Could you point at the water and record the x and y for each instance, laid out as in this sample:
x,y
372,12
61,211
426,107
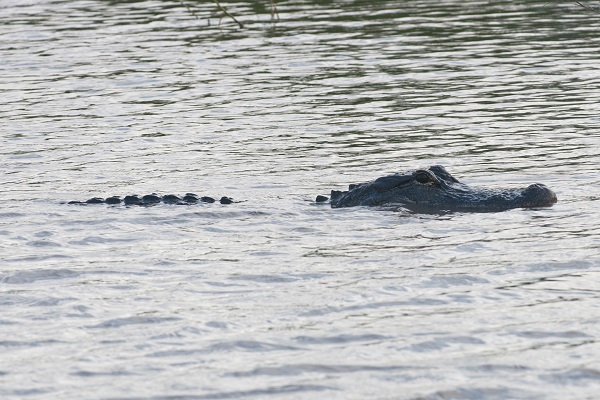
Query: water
x,y
275,297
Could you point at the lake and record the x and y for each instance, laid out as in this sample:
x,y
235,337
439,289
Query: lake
x,y
274,296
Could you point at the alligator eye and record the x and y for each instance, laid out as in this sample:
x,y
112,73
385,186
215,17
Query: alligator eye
x,y
423,177
426,177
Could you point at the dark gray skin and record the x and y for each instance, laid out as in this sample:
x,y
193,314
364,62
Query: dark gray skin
x,y
435,190
152,199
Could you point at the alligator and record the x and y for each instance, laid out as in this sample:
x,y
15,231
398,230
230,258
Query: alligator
x,y
435,190
152,199
424,190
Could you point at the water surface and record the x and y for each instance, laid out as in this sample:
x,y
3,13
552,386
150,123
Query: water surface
x,y
276,297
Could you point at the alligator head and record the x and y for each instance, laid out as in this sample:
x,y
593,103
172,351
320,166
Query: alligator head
x,y
435,190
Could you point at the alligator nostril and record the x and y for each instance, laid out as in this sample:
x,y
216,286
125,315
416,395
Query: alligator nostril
x,y
540,194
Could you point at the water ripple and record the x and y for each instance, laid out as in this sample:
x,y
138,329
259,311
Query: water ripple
x,y
24,277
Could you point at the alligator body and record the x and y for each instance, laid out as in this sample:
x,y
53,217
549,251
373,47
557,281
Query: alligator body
x,y
435,190
424,190
152,199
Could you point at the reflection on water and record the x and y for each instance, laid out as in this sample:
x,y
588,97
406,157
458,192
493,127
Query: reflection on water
x,y
275,297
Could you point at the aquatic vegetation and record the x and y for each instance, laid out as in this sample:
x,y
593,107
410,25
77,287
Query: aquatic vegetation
x,y
225,12
275,13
